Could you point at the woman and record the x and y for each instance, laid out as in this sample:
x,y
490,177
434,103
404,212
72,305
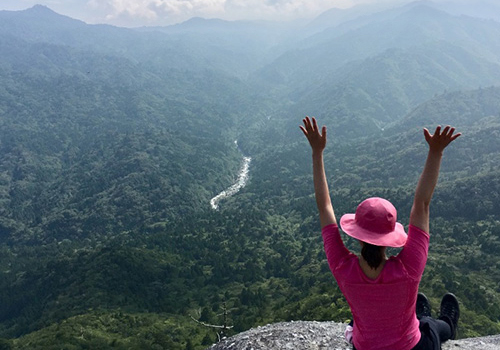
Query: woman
x,y
382,292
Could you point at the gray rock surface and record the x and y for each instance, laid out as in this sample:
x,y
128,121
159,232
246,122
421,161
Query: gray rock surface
x,y
310,335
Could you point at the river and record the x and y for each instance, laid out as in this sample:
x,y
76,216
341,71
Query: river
x,y
234,188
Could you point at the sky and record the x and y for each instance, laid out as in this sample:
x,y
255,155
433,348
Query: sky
x,y
133,13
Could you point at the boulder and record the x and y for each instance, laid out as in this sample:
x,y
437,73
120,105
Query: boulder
x,y
311,335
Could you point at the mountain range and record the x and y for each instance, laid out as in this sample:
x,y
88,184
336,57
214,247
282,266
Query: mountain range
x,y
114,140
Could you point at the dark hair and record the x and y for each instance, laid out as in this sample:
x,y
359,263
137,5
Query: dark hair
x,y
372,254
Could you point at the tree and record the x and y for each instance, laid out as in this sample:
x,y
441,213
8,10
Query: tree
x,y
5,344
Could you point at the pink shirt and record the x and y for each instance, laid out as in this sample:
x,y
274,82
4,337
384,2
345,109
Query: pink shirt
x,y
384,308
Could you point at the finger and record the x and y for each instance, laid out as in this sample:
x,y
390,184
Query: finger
x,y
455,136
315,124
450,132
427,134
303,130
445,130
307,123
438,130
323,131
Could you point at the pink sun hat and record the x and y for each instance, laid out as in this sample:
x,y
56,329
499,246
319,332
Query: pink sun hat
x,y
375,223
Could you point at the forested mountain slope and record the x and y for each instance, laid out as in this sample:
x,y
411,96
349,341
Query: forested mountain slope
x,y
67,139
366,96
198,44
113,141
415,25
379,70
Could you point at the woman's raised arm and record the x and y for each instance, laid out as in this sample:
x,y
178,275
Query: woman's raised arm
x,y
419,215
317,140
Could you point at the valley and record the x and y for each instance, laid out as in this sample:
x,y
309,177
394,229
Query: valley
x,y
115,145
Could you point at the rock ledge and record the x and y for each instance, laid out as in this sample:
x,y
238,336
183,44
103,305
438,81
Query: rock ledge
x,y
311,335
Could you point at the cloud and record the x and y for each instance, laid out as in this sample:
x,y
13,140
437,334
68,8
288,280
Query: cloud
x,y
280,9
154,11
168,11
130,13
163,12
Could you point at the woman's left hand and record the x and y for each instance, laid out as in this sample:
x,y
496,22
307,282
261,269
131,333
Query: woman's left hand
x,y
316,139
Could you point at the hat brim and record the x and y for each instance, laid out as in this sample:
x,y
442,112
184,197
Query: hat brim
x,y
395,238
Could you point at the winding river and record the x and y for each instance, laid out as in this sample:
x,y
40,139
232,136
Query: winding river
x,y
234,188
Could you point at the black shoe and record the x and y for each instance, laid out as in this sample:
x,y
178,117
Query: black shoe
x,y
423,307
450,312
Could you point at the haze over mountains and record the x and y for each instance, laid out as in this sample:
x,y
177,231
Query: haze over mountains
x,y
113,141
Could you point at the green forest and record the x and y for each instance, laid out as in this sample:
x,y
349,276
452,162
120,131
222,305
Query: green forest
x,y
114,140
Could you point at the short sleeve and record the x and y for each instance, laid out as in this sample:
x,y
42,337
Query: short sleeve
x,y
334,246
414,253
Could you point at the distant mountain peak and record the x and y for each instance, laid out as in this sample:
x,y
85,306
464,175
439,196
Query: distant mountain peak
x,y
197,22
425,9
40,9
44,14
203,20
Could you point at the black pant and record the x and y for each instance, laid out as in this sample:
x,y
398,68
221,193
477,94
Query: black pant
x,y
434,332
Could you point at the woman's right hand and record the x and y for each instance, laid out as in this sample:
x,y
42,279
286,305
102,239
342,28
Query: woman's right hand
x,y
439,141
